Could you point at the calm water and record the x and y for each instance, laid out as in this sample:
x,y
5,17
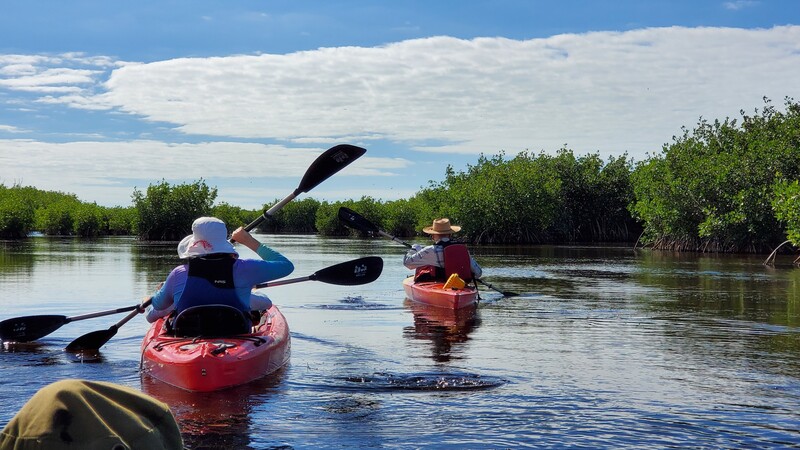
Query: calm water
x,y
605,348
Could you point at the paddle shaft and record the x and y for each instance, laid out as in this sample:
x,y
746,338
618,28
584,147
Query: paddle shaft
x,y
96,339
138,309
283,282
101,313
30,328
399,241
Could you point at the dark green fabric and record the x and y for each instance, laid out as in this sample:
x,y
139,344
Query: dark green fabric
x,y
91,415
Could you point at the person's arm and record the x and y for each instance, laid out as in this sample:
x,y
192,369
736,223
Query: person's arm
x,y
163,299
476,269
243,237
424,256
279,265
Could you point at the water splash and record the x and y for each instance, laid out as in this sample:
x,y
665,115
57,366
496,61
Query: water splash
x,y
356,303
423,382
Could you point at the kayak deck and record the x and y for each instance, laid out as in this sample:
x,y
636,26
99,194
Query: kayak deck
x,y
210,364
433,293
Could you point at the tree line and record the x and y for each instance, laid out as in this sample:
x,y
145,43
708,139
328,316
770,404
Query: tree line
x,y
729,186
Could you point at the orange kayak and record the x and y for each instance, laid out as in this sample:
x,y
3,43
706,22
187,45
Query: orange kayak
x,y
433,293
211,364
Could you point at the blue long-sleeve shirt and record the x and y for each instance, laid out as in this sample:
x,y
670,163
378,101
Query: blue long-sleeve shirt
x,y
246,274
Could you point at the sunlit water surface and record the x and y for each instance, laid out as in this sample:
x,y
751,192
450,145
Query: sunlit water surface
x,y
603,348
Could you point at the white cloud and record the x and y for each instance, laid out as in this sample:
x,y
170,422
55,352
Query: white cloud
x,y
606,91
740,4
11,129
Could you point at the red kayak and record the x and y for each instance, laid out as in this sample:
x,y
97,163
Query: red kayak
x,y
434,293
205,364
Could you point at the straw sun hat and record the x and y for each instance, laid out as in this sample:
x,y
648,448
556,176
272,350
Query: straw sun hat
x,y
441,226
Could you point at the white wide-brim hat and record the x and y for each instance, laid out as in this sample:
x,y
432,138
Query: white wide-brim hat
x,y
209,235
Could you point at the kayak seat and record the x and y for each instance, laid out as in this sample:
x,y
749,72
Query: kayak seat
x,y
211,321
457,260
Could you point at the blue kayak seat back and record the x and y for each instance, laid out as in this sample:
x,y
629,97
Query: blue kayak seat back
x,y
211,321
456,260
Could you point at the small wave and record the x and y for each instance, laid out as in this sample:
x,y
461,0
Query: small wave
x,y
423,382
353,303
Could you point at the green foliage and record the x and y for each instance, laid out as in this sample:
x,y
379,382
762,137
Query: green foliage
x,y
57,217
297,217
594,197
233,216
786,204
16,212
88,220
121,220
370,208
166,212
534,198
400,217
497,200
712,188
23,209
327,221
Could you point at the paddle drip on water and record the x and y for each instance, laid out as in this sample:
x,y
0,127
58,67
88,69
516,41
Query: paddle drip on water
x,y
426,382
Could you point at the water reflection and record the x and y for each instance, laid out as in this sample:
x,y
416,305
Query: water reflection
x,y
447,329
154,260
16,257
606,346
215,420
32,348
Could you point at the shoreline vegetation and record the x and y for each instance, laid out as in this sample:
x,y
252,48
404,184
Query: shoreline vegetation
x,y
724,186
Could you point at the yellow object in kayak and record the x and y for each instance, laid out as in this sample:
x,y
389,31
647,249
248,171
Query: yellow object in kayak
x,y
454,282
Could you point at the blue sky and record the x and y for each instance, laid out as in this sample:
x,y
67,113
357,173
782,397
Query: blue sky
x,y
98,98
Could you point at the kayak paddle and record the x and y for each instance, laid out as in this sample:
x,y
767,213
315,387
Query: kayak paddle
x,y
96,339
30,328
333,160
359,222
349,273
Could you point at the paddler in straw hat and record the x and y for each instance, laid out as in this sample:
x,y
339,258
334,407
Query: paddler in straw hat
x,y
428,261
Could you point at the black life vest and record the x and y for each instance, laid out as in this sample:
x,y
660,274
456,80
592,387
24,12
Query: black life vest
x,y
210,282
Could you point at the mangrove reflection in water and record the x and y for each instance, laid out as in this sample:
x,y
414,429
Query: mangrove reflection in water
x,y
605,347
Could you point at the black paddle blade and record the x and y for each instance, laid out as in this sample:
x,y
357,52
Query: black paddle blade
x,y
355,220
30,328
92,341
333,160
351,273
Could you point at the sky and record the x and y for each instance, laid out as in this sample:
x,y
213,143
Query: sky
x,y
100,98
